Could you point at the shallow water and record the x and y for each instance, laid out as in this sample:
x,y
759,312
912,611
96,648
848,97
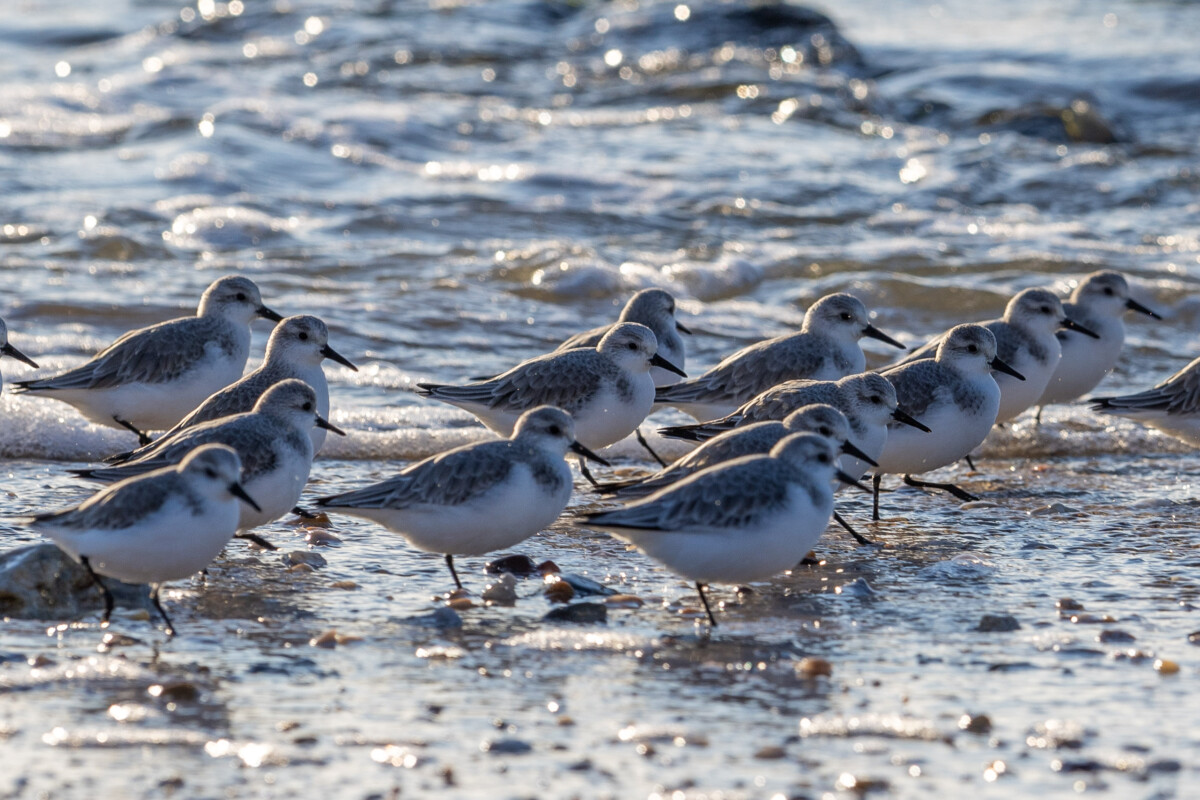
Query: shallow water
x,y
454,187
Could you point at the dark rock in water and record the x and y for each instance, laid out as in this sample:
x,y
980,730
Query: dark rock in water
x,y
444,617
42,582
1077,121
1115,635
998,623
580,613
507,747
708,27
583,585
520,565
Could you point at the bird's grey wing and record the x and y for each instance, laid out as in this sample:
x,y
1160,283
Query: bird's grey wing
x,y
237,398
747,372
584,339
253,441
732,496
1178,394
927,350
563,379
784,398
917,384
447,479
115,507
157,354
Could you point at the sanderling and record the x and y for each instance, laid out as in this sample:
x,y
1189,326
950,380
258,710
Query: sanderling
x,y
868,400
296,349
743,520
479,497
152,528
607,390
1099,302
654,308
7,349
956,394
272,441
745,440
151,377
826,348
1025,341
1172,406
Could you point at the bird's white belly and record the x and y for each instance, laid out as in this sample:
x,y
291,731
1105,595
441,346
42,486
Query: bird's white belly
x,y
955,434
1015,395
1085,362
507,514
608,418
166,546
277,492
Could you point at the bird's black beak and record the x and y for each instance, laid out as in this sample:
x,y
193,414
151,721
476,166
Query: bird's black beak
x,y
330,353
849,480
237,491
874,333
1072,325
12,352
851,449
902,416
267,313
583,451
1134,305
679,326
329,426
1001,366
659,361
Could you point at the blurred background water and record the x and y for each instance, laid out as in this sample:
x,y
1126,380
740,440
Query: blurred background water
x,y
455,187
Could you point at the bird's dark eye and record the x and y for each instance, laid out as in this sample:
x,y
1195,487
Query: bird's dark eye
x,y
1046,310
1108,290
633,345
876,399
847,316
972,349
555,430
210,472
303,336
307,406
825,431
241,296
823,458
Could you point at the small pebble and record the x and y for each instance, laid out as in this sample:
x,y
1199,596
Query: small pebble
x,y
558,590
771,753
1068,604
998,623
39,661
624,601
460,603
975,723
1053,508
518,565
327,640
548,568
1194,638
314,560
1165,666
1115,635
319,538
502,591
974,504
506,747
813,667
347,585
301,568
582,613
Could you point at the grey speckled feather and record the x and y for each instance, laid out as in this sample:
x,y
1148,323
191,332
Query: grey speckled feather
x,y
158,354
1178,394
925,381
258,439
122,505
735,495
452,478
566,379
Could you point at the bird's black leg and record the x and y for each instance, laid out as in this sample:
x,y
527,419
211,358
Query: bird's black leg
x,y
961,494
970,463
587,473
108,598
704,599
1037,418
875,499
304,513
858,537
170,629
256,539
143,438
453,573
642,441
